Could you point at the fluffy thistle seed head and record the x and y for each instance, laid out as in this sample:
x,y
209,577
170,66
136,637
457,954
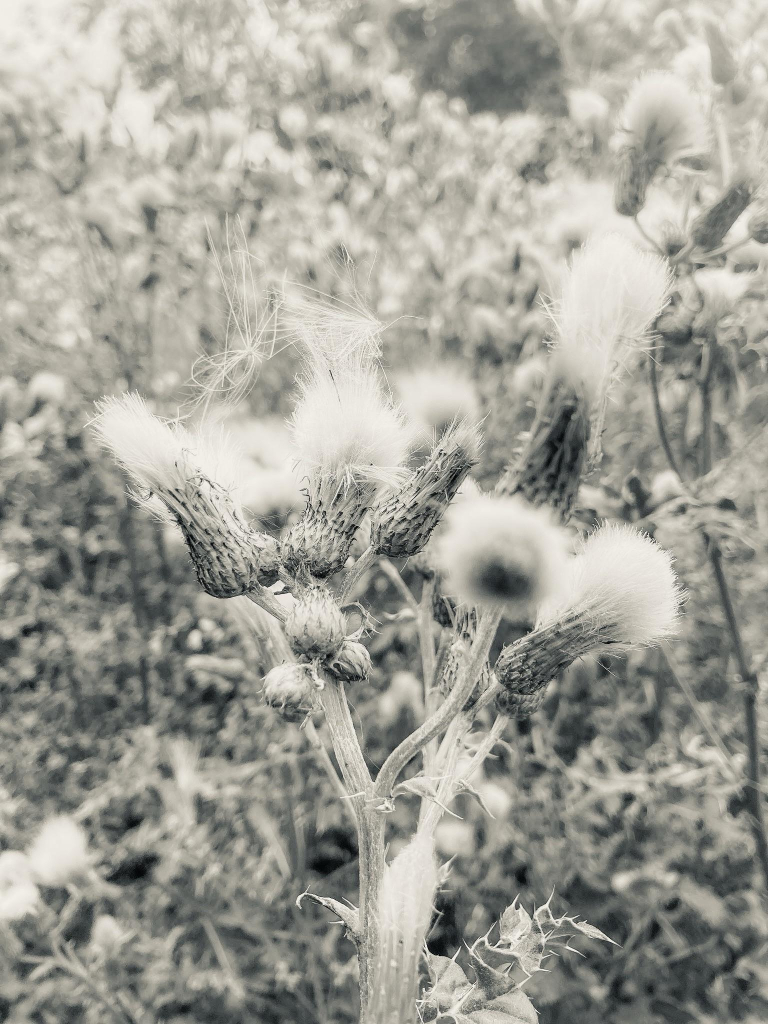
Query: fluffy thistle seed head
x,y
500,552
59,854
437,396
663,121
611,295
189,477
622,588
720,291
288,689
315,624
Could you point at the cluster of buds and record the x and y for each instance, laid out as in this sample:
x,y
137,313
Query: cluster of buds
x,y
185,477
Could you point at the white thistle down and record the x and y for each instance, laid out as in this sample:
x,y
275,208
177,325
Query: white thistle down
x,y
433,397
611,295
404,914
19,895
619,592
622,588
193,476
663,121
158,456
499,551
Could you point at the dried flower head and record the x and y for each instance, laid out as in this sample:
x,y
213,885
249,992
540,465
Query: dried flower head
x,y
193,476
713,223
620,592
611,295
315,624
289,690
661,125
402,522
501,552
349,438
59,853
404,914
719,291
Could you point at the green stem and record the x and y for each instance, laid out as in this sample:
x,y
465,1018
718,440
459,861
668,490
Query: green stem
x,y
453,704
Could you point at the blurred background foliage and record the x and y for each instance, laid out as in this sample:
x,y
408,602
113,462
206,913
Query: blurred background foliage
x,y
435,160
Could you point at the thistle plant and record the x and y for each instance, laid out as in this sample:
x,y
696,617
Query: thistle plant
x,y
481,557
666,130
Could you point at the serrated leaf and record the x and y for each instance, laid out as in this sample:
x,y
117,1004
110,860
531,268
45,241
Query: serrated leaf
x,y
511,1008
349,915
449,982
514,924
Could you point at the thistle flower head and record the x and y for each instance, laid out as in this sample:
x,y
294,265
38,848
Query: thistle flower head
x,y
622,589
60,852
501,552
346,428
288,689
720,291
159,456
663,122
315,624
611,295
190,477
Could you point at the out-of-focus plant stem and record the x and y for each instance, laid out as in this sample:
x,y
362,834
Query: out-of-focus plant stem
x,y
747,676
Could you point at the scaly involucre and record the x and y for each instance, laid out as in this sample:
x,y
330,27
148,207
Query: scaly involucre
x,y
498,551
611,295
622,588
663,122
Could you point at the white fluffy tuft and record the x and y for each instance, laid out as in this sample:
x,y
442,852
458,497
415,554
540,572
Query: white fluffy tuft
x,y
347,428
611,295
59,854
501,552
624,587
663,120
156,454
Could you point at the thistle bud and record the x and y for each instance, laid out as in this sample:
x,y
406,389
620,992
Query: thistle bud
x,y
757,224
403,522
351,663
288,689
315,624
621,593
715,221
185,478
